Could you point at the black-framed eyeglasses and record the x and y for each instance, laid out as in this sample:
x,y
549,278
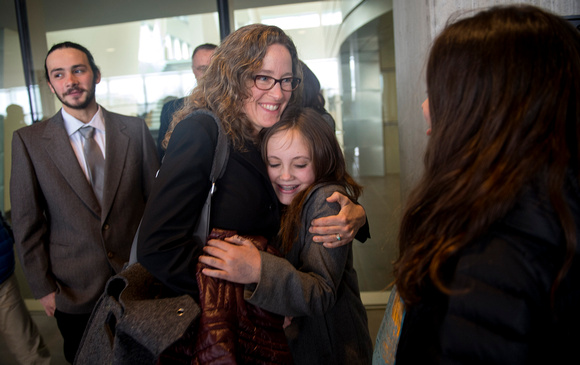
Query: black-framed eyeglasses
x,y
266,82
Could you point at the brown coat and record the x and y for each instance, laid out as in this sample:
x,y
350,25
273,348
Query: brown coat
x,y
67,243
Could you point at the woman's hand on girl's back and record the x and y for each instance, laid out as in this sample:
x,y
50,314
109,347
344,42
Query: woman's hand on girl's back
x,y
344,225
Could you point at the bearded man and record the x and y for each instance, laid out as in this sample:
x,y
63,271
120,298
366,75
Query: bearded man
x,y
79,184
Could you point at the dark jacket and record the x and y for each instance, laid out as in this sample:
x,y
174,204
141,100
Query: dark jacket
x,y
244,202
6,250
165,120
505,314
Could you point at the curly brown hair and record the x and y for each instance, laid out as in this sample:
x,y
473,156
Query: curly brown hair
x,y
223,89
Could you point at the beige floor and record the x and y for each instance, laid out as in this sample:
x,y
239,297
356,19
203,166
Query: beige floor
x,y
53,339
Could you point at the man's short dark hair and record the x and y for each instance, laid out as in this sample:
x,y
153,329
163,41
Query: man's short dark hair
x,y
67,44
205,47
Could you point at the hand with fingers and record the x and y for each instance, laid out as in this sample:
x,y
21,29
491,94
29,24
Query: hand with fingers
x,y
49,303
235,259
338,230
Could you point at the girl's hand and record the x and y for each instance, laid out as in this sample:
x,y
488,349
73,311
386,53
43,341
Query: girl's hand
x,y
236,259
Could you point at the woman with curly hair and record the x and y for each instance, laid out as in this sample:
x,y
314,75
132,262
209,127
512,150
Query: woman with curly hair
x,y
253,76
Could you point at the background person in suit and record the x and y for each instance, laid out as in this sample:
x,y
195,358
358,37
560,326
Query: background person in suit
x,y
69,242
199,62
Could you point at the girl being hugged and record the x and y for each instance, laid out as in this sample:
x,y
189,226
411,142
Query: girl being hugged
x,y
315,287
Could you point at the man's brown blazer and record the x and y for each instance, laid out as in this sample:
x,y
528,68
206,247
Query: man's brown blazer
x,y
66,242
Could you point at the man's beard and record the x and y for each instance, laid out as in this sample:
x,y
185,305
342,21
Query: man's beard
x,y
83,105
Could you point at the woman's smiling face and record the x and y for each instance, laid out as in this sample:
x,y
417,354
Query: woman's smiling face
x,y
265,107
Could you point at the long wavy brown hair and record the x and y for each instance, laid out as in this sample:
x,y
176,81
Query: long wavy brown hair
x,y
327,160
226,84
504,100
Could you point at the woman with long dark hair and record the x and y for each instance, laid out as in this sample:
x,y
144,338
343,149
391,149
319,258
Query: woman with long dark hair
x,y
489,241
